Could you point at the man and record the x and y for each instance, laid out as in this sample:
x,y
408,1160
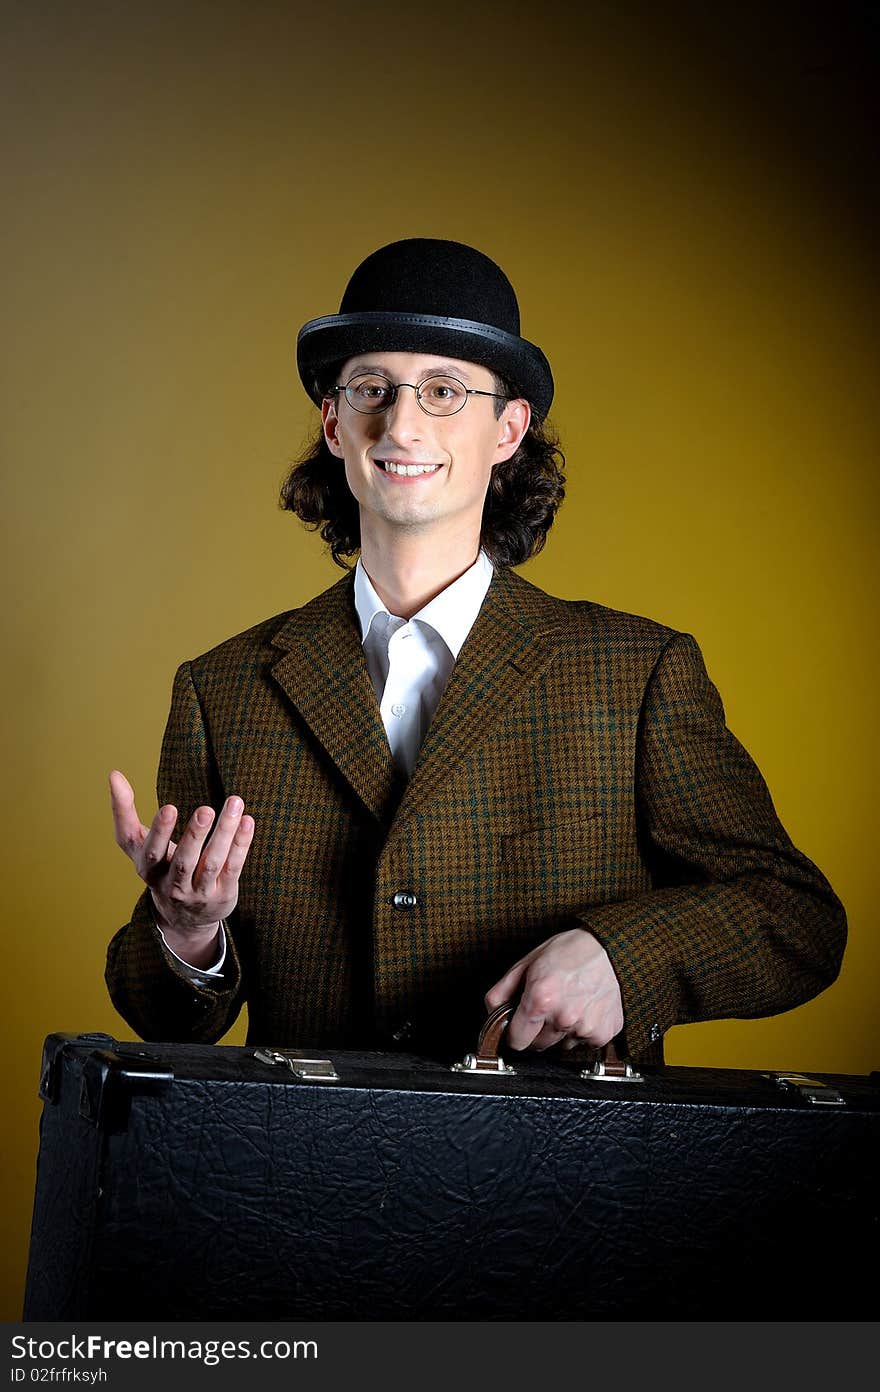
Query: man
x,y
435,788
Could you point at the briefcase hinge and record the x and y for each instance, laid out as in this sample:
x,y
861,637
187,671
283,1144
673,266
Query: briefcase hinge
x,y
312,1070
810,1090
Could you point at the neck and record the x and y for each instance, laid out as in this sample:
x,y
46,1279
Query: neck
x,y
408,571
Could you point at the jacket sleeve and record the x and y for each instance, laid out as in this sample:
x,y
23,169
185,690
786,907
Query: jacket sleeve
x,y
739,923
153,992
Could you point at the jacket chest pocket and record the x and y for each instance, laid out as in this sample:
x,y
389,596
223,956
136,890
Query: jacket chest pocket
x,y
566,852
553,870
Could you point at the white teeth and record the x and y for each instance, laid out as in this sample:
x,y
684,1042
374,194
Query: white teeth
x,y
410,469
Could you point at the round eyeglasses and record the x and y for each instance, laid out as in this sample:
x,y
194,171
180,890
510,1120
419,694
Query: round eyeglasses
x,y
370,393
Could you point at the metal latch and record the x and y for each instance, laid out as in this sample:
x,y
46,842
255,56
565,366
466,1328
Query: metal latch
x,y
811,1090
313,1070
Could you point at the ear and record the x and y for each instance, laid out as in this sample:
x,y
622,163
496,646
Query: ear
x,y
330,424
513,425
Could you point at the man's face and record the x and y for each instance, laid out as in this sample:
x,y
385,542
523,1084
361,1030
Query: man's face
x,y
461,449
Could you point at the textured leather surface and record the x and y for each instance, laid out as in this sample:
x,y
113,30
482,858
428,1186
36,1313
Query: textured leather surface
x,y
408,1192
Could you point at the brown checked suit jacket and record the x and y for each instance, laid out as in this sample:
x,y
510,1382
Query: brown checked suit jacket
x,y
578,771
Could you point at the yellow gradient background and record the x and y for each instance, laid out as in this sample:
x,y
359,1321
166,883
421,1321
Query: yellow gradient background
x,y
681,195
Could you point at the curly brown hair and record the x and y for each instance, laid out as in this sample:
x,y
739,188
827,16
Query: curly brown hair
x,y
523,497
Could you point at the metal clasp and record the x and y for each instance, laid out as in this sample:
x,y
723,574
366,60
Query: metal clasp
x,y
313,1070
811,1090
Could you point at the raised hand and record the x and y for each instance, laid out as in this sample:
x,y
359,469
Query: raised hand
x,y
194,884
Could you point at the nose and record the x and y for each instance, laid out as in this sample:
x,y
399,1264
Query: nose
x,y
405,417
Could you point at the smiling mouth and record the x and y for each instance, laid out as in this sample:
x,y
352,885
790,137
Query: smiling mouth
x,y
393,466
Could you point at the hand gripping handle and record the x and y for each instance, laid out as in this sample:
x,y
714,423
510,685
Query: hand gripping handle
x,y
608,1067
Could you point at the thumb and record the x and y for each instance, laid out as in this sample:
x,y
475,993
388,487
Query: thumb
x,y
129,827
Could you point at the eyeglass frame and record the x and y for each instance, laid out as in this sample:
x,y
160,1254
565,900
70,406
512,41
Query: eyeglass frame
x,y
395,388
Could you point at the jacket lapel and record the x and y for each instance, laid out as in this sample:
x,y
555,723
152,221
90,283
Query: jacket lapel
x,y
508,648
323,671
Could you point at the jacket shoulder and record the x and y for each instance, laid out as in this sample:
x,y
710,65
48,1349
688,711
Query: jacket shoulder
x,y
580,619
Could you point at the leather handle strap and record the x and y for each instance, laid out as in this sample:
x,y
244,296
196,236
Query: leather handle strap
x,y
490,1035
614,1064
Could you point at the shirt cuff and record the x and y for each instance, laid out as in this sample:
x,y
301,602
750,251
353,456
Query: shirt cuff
x,y
198,973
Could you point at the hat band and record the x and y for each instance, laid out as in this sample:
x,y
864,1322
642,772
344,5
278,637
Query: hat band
x,y
338,337
380,318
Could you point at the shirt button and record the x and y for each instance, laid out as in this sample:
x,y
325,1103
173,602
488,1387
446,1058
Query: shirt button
x,y
398,708
405,899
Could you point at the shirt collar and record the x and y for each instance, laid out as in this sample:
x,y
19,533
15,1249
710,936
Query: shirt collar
x,y
451,613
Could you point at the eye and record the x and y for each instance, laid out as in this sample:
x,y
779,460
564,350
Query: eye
x,y
370,388
443,390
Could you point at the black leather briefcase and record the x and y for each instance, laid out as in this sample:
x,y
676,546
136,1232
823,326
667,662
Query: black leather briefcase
x,y
209,1182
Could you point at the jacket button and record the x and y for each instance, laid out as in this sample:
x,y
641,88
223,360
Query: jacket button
x,y
405,899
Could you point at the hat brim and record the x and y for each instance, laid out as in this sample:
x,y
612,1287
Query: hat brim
x,y
335,337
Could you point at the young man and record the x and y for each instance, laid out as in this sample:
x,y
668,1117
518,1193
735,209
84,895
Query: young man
x,y
435,788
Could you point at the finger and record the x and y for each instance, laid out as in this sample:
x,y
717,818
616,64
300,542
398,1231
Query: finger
x,y
185,859
127,825
213,857
594,1029
505,989
597,1035
524,1027
546,1037
241,844
544,1015
156,850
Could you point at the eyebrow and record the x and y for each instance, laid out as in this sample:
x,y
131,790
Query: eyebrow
x,y
440,370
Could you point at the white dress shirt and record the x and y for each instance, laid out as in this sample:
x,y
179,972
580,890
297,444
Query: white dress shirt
x,y
409,661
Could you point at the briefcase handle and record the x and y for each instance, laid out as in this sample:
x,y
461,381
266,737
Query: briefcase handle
x,y
486,1058
608,1067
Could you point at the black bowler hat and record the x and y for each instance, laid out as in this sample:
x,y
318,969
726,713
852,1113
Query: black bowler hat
x,y
423,295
